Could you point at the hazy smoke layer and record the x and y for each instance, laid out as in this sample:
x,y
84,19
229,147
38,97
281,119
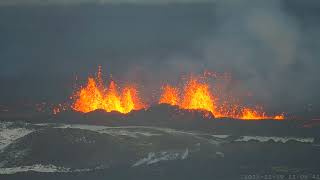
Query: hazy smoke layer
x,y
269,47
270,51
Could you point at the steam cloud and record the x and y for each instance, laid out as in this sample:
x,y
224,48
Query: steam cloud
x,y
268,50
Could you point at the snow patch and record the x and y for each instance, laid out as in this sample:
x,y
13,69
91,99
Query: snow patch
x,y
124,132
138,131
43,169
275,139
220,154
9,134
36,168
153,157
185,154
110,130
221,136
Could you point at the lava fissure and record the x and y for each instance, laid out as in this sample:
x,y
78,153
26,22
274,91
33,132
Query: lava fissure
x,y
195,95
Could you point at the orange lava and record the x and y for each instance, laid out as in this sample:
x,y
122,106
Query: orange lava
x,y
251,114
197,95
95,96
170,95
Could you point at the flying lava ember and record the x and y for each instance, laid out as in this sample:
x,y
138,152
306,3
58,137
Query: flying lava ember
x,y
194,95
96,96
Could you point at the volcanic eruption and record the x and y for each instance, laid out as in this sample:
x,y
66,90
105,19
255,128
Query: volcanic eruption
x,y
196,94
96,96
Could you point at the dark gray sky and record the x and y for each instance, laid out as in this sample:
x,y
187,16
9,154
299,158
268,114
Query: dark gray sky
x,y
270,47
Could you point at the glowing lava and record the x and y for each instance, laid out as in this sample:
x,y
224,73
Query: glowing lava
x,y
197,95
95,96
251,114
170,95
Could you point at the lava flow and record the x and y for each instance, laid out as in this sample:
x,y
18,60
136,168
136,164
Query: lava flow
x,y
252,114
197,95
95,96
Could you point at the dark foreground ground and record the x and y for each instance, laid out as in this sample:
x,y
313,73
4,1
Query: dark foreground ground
x,y
162,142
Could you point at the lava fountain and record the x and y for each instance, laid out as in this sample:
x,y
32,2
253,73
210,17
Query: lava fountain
x,y
197,95
170,95
96,96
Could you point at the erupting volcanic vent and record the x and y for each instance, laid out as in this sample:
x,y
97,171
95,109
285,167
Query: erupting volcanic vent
x,y
197,95
96,96
170,95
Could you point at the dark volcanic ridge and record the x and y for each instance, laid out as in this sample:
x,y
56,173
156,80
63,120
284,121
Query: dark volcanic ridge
x,y
173,117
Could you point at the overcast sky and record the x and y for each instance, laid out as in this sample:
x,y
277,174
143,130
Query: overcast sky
x,y
43,2
270,47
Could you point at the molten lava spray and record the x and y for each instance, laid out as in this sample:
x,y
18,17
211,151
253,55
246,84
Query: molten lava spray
x,y
197,95
170,95
95,96
252,114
